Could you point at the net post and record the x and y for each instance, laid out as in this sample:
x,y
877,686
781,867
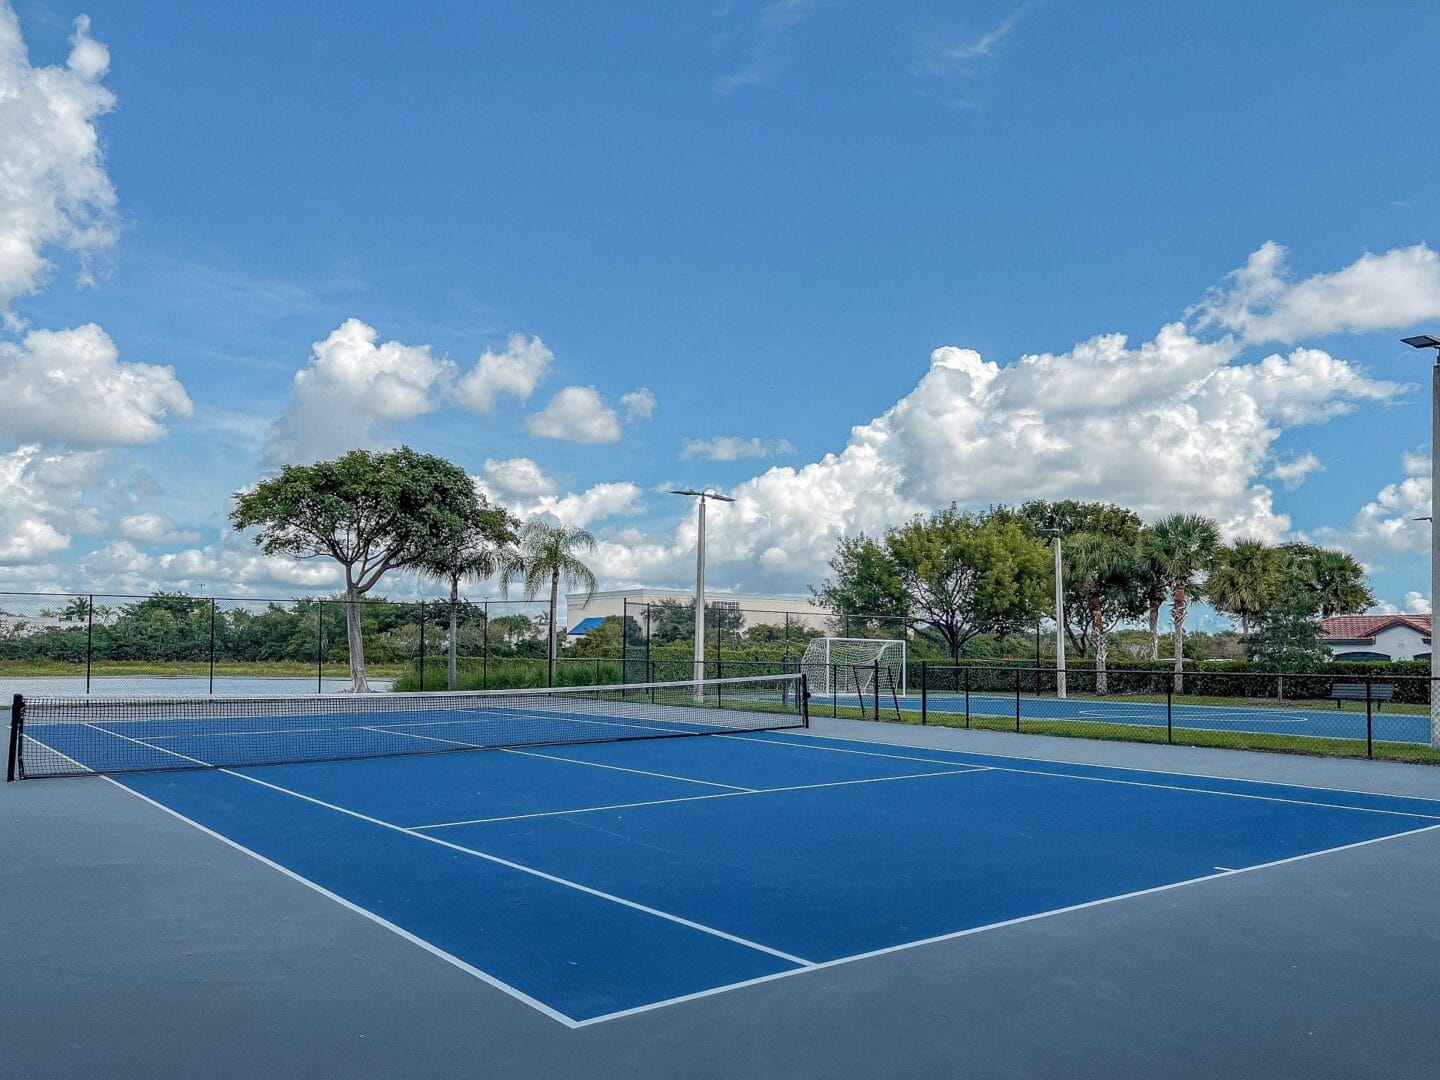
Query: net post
x,y
17,725
924,700
212,646
422,645
804,701
1369,720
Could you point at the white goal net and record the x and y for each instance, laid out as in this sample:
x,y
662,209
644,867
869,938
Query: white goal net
x,y
835,665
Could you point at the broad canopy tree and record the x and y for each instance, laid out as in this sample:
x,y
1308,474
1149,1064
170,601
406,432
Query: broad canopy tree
x,y
953,574
369,511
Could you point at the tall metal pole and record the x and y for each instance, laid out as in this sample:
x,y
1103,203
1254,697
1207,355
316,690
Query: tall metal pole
x,y
1434,546
1427,341
1059,622
700,600
700,582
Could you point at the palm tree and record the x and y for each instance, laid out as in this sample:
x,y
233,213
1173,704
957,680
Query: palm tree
x,y
1104,572
1183,547
547,552
1155,583
1245,578
1335,578
483,548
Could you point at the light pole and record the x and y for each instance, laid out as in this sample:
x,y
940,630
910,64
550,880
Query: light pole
x,y
700,582
1059,616
1425,341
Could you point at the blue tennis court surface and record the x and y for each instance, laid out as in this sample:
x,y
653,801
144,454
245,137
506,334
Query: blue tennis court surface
x,y
1276,719
594,880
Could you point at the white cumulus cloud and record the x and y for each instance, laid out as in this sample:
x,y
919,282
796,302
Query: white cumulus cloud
x,y
1295,471
351,391
1387,527
733,448
152,528
55,190
1262,303
70,386
576,414
517,477
43,502
639,404
516,371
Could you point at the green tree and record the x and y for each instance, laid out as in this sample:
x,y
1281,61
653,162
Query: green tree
x,y
1102,570
1151,569
1073,517
547,554
369,511
1182,547
1335,580
866,581
966,574
1288,636
1246,576
482,548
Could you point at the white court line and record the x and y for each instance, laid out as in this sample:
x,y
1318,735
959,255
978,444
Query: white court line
x,y
682,921
1144,784
622,901
701,798
991,926
812,737
552,757
1117,717
399,931
620,768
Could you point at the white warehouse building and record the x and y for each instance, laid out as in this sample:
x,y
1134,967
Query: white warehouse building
x,y
798,611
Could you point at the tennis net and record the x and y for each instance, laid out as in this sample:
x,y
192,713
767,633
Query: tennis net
x,y
79,736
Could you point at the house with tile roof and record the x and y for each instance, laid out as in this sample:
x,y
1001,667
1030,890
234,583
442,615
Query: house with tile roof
x,y
1378,637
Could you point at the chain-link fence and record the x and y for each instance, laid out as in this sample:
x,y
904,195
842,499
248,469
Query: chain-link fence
x,y
1380,716
178,645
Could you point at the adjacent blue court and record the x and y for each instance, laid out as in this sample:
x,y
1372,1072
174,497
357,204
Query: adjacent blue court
x,y
1277,719
592,881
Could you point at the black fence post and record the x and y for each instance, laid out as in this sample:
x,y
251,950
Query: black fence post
x,y
924,699
1017,701
319,646
422,645
89,638
485,647
17,724
965,677
1369,720
877,689
1170,711
212,646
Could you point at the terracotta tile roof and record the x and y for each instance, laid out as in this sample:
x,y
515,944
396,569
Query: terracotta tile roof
x,y
1361,627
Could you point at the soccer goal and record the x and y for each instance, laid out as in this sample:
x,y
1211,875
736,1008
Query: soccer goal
x,y
837,666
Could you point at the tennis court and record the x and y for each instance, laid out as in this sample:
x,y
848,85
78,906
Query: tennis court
x,y
1275,719
594,880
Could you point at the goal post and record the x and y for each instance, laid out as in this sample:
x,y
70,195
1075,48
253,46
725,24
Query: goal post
x,y
834,665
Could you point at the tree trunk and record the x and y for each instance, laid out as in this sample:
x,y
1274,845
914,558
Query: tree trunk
x,y
554,596
355,639
1155,628
1097,623
1178,612
451,677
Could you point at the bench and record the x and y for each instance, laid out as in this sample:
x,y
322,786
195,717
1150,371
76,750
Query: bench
x,y
1355,691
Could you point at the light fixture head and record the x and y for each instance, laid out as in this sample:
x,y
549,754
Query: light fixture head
x,y
1423,341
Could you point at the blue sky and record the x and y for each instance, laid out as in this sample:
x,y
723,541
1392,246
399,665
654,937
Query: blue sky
x,y
846,260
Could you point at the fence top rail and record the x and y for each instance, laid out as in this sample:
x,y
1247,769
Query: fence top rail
x,y
264,599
